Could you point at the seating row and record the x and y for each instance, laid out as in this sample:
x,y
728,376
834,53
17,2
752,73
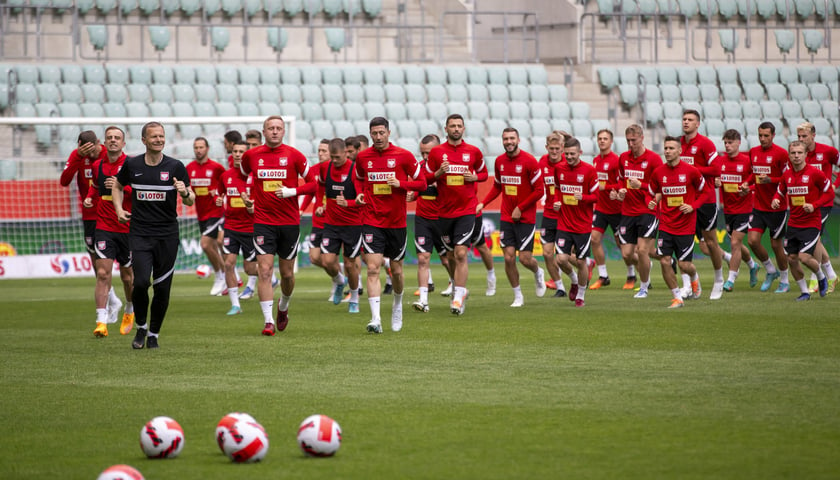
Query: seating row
x,y
727,9
610,77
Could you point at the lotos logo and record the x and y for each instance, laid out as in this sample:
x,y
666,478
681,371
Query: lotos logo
x,y
60,266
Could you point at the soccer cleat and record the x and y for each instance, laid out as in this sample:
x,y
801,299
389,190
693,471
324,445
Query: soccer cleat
x,y
269,330
139,339
417,293
696,290
431,287
491,286
728,286
676,303
630,284
642,293
152,342
247,294
374,327
768,281
754,275
274,282
338,290
560,294
127,323
540,282
219,287
447,291
346,298
717,291
456,307
239,282
813,286
517,302
783,288
282,319
101,330
590,264
396,318
573,291
420,306
685,293
389,289
804,297
550,284
823,286
114,311
579,302
234,310
832,284
601,282
353,307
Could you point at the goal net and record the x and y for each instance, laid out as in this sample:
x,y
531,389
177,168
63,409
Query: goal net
x,y
41,232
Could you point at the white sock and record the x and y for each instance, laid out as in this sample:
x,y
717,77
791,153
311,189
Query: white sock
x,y
459,293
803,286
233,294
769,267
573,277
631,270
283,304
374,309
676,293
267,308
829,270
101,315
751,263
820,274
733,275
398,297
784,276
645,285
354,296
719,275
252,282
517,292
129,307
602,271
686,279
424,294
429,280
338,279
727,256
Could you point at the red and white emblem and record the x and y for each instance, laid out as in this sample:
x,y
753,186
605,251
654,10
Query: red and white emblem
x,y
164,176
518,169
282,162
580,178
466,158
681,178
259,239
805,178
693,150
392,163
100,245
739,168
368,238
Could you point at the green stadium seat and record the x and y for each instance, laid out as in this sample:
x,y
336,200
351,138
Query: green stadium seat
x,y
607,76
394,93
334,111
415,110
205,92
332,93
709,92
354,111
731,92
537,75
354,93
292,76
169,7
477,75
438,110
395,111
127,7
751,109
477,93
415,92
343,129
336,38
558,93
353,76
394,75
72,93
747,75
268,92
672,110
93,93
205,74
687,75
754,92
138,92
291,109
785,40
277,38
374,93
791,109
829,108
667,76
436,75
499,110
182,92
813,40
373,75
498,93
374,109
707,75
670,93
310,93
799,92
560,110
93,110
727,74
776,92
372,8
812,109
712,110
580,110
766,9
226,93
70,110
519,93
771,109
269,75
457,75
159,36
819,92
248,93
227,74
161,93
139,74
628,76
629,94
47,93
652,93
312,111
94,74
809,74
137,109
519,110
98,36
539,93
291,93
435,92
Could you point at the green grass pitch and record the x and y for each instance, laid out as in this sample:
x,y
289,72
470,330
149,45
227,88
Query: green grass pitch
x,y
746,387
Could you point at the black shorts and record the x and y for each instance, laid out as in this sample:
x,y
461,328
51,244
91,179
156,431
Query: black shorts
x,y
577,243
707,216
427,235
349,237
631,228
737,222
801,240
478,239
680,246
600,221
390,242
517,235
548,230
235,243
315,236
211,226
89,232
456,231
825,212
774,222
113,246
280,240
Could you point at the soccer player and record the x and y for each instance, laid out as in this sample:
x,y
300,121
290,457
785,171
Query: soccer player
x,y
234,196
110,238
607,211
205,175
456,167
253,138
805,188
80,166
699,151
231,138
342,222
637,231
317,231
768,162
554,145
575,192
156,181
427,230
737,199
678,190
386,172
518,180
824,157
276,168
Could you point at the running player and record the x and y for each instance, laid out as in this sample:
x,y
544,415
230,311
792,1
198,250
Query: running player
x,y
678,189
80,166
253,138
518,180
386,172
231,138
554,145
805,188
317,231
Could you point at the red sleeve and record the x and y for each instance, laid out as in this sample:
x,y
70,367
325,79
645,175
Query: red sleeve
x,y
70,169
827,197
494,192
780,190
592,195
311,184
699,185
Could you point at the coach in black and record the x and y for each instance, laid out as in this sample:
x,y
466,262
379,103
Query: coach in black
x,y
155,180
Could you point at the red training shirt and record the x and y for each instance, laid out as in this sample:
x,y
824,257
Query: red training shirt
x,y
385,205
734,171
678,185
636,201
273,169
808,185
519,181
456,197
82,169
204,180
233,184
575,216
771,162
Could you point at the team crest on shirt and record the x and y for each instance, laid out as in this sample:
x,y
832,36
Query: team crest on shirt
x,y
259,239
518,169
207,173
100,245
644,165
445,157
580,178
260,162
344,178
681,178
465,157
230,180
805,178
664,179
739,168
392,163
769,158
282,162
370,164
606,167
693,150
546,169
164,176
820,157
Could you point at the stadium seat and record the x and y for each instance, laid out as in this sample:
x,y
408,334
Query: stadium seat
x,y
558,93
415,111
731,109
811,109
472,127
687,75
734,124
727,74
353,93
628,75
652,93
768,74
226,74
181,92
72,93
159,36
312,111
819,92
94,74
291,93
810,74
751,109
540,110
731,92
821,125
523,126
393,75
667,75
322,129
71,109
537,75
829,108
477,93
560,110
309,93
519,110
163,74
712,110
205,92
754,92
672,110
799,92
372,8
477,75
429,126
396,93
269,75
27,74
247,93
161,93
670,93
517,76
277,38
309,75
456,75
438,110
343,129
518,93
813,40
135,109
46,74
139,74
714,127
707,75
374,93
139,93
791,109
653,113
728,38
98,36
435,92
748,75
182,109
629,94
227,93
478,110
541,128
690,93
771,109
580,110
93,93
498,93
336,38
766,9
332,93
776,92
499,110
48,92
291,109
785,40
354,111
269,108
95,110
407,128
374,109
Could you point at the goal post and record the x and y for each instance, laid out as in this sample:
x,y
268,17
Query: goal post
x,y
41,231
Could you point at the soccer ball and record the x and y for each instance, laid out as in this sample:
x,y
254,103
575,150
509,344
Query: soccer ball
x,y
319,436
120,472
203,271
227,423
162,437
245,442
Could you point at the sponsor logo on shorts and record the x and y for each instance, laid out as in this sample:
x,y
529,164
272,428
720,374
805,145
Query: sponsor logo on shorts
x,y
259,239
368,238
101,245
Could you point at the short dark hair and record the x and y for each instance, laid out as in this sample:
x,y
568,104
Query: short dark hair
x,y
571,142
691,111
510,129
149,125
114,127
336,145
363,139
454,116
380,122
233,136
252,134
731,134
352,142
670,138
607,131
88,136
767,126
241,142
324,141
206,143
430,138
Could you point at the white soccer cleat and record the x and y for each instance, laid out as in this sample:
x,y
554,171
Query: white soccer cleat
x,y
219,287
420,306
685,293
717,291
447,291
491,286
642,293
517,302
540,281
114,311
396,317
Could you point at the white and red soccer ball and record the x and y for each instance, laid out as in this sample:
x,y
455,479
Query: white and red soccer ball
x,y
203,271
319,436
241,438
162,437
120,472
